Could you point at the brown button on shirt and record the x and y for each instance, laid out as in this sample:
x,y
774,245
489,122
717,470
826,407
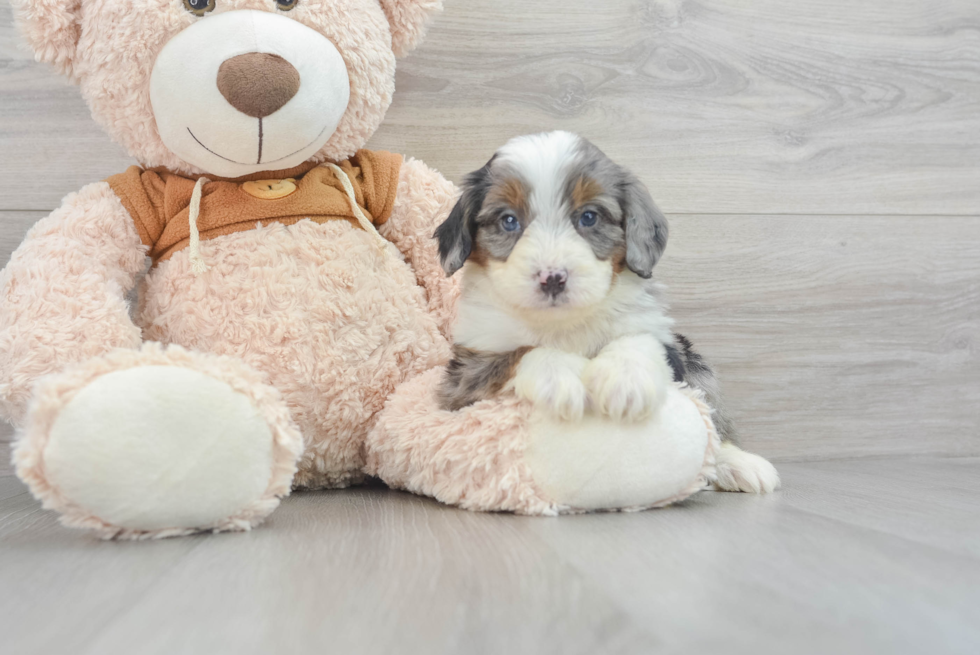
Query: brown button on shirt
x,y
159,200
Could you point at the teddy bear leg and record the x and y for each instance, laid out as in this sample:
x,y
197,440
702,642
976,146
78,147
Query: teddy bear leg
x,y
504,455
158,442
473,458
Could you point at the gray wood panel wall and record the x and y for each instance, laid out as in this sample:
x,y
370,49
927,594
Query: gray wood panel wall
x,y
819,161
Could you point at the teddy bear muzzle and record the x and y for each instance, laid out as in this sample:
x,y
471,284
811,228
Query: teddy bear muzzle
x,y
248,91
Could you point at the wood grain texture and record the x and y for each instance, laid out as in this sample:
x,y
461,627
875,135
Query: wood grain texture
x,y
836,336
767,574
825,106
13,227
47,135
6,468
828,106
373,571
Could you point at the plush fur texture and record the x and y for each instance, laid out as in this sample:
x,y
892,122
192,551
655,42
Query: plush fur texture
x,y
109,50
475,458
58,391
64,293
424,198
335,323
328,321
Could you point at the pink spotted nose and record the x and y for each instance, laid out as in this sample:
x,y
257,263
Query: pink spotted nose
x,y
552,281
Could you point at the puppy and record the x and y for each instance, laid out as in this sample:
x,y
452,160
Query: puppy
x,y
557,245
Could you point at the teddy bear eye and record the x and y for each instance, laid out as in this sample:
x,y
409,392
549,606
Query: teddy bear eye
x,y
286,5
199,7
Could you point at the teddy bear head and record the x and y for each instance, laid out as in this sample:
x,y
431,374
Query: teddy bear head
x,y
230,87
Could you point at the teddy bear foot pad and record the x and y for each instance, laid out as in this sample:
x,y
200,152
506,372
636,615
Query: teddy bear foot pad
x,y
158,443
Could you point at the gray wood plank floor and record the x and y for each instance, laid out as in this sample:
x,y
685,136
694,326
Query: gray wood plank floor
x,y
876,556
824,106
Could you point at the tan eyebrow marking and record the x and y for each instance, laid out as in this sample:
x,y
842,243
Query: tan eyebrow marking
x,y
512,193
585,190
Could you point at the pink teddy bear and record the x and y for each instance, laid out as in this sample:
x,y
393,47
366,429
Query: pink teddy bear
x,y
294,317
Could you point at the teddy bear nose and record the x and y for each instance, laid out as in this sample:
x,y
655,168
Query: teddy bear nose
x,y
257,84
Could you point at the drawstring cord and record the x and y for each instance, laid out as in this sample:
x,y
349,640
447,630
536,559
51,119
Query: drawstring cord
x,y
367,225
197,262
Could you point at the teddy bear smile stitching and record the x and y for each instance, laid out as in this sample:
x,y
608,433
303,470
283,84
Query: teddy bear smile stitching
x,y
259,161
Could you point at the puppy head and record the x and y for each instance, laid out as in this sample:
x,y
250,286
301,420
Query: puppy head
x,y
551,222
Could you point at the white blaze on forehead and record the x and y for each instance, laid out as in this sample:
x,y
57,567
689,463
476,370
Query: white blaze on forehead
x,y
542,162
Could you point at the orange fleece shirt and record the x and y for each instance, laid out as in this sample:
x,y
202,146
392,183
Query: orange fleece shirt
x,y
159,200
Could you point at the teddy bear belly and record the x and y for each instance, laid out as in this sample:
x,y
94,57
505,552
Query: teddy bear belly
x,y
334,322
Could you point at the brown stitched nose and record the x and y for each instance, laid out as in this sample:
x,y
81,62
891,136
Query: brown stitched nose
x,y
257,84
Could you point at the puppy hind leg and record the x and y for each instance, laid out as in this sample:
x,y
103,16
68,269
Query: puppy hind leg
x,y
737,470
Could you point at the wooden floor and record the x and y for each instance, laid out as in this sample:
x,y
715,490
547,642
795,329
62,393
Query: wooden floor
x,y
870,556
820,165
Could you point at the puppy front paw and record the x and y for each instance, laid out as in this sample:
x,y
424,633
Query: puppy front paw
x,y
624,390
553,380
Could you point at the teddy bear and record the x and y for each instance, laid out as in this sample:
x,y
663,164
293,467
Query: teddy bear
x,y
293,317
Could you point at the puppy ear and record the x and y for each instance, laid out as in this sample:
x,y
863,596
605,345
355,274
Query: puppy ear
x,y
51,28
646,228
409,19
456,234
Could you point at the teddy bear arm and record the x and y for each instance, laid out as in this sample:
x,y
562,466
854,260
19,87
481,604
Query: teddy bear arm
x,y
423,201
63,294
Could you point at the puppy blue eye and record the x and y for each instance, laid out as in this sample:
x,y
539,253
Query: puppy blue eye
x,y
510,223
588,219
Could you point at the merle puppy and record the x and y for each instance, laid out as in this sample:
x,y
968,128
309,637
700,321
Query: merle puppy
x,y
557,245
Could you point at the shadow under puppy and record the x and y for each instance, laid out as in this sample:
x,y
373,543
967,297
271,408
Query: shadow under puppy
x,y
557,245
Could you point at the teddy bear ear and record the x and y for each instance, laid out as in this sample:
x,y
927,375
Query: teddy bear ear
x,y
409,20
51,28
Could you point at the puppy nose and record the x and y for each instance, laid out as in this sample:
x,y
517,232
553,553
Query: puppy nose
x,y
553,281
257,84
